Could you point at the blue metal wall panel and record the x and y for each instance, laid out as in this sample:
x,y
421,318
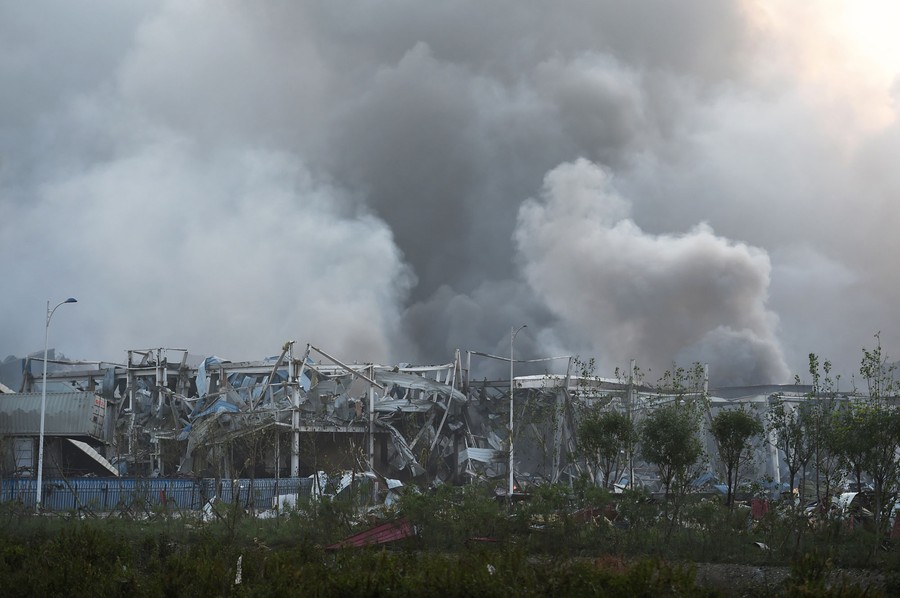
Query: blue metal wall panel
x,y
110,495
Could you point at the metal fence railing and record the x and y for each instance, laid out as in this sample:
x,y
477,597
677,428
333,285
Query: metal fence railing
x,y
131,494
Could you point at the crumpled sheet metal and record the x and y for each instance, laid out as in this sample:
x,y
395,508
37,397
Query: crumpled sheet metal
x,y
404,456
482,455
383,405
404,380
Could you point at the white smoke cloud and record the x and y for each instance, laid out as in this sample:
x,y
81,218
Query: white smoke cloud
x,y
656,298
230,252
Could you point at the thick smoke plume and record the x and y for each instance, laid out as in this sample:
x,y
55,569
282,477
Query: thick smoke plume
x,y
691,297
225,176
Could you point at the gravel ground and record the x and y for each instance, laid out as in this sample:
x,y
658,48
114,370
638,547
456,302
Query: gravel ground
x,y
750,580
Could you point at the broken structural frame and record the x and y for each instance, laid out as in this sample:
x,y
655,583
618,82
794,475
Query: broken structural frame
x,y
436,408
157,396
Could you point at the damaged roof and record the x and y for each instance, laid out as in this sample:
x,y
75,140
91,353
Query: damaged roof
x,y
67,414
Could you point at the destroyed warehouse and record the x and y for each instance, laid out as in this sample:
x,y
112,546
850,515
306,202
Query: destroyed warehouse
x,y
166,414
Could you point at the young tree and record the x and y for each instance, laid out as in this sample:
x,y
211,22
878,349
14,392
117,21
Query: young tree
x,y
822,437
878,421
880,424
670,433
788,425
851,439
605,439
878,373
669,440
733,429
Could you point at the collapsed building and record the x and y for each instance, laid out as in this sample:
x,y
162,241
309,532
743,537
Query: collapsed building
x,y
289,416
166,414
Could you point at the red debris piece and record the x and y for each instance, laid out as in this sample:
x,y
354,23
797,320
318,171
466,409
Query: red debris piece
x,y
380,534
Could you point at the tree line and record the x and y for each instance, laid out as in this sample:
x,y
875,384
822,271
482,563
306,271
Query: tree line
x,y
824,438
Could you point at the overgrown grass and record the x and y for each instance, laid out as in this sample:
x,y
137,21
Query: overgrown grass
x,y
91,559
467,542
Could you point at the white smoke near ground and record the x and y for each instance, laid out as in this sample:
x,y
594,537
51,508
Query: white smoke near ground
x,y
231,253
230,175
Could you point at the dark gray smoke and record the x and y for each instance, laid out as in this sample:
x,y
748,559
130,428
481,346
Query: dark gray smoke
x,y
709,180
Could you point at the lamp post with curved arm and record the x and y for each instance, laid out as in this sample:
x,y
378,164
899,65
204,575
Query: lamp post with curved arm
x,y
40,471
512,338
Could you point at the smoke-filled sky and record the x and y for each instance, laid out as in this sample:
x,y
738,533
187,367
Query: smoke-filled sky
x,y
704,180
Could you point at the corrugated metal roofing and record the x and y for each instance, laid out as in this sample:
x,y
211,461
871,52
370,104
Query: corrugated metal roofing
x,y
67,414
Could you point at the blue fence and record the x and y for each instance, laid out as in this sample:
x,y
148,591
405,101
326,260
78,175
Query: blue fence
x,y
131,494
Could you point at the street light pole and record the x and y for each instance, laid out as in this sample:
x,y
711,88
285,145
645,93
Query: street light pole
x,y
512,337
40,471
